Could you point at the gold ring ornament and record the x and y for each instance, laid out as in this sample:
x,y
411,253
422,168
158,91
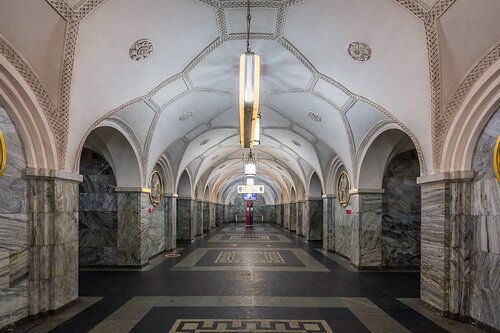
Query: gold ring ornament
x,y
343,187
156,193
3,154
496,158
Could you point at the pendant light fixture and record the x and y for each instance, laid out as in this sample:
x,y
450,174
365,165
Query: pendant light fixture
x,y
249,91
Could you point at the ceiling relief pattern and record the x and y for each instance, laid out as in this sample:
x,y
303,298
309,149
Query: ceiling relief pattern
x,y
311,81
459,95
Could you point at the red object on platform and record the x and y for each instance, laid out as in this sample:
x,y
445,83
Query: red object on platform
x,y
249,215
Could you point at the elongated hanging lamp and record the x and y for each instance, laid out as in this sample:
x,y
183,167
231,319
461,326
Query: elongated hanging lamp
x,y
249,90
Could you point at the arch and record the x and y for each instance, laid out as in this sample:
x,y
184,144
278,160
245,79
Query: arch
x,y
169,182
115,147
478,107
388,143
293,196
29,118
184,187
206,196
315,188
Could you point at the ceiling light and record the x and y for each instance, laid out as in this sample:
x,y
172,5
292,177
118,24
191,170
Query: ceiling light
x,y
250,166
249,90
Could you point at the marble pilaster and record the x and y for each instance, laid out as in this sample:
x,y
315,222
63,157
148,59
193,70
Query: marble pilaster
x,y
185,220
286,216
328,223
199,218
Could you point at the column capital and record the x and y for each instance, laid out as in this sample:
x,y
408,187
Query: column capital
x,y
466,175
53,174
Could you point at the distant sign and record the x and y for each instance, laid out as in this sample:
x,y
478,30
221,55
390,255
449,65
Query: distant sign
x,y
250,196
250,189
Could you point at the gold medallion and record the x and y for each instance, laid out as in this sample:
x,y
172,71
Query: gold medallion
x,y
156,189
3,154
496,158
343,187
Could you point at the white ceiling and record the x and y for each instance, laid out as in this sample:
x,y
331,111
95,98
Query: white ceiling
x,y
305,68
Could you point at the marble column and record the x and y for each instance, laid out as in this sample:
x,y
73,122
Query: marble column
x,y
328,223
185,219
366,228
220,215
170,203
313,219
205,206
300,218
213,215
446,243
277,214
286,216
134,223
199,217
293,216
53,252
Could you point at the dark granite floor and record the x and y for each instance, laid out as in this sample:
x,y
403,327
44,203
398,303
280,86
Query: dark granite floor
x,y
236,280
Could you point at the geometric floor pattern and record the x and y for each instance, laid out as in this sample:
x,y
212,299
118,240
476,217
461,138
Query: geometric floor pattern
x,y
236,280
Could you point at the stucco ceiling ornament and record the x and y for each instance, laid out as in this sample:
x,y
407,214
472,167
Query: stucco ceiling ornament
x,y
141,49
185,115
359,51
314,116
156,193
343,187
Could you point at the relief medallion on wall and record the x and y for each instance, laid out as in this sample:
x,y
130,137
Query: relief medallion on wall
x,y
3,154
496,159
343,187
156,189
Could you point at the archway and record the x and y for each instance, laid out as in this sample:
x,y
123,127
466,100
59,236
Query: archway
x,y
313,210
186,219
388,196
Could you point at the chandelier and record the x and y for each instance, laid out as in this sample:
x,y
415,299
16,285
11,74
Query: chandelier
x,y
250,169
249,93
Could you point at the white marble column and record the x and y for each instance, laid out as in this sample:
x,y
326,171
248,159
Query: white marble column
x,y
170,221
53,248
134,223
367,228
286,216
313,219
328,223
293,216
446,243
185,225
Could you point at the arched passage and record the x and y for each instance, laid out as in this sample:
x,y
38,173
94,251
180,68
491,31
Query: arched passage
x,y
313,210
186,209
388,200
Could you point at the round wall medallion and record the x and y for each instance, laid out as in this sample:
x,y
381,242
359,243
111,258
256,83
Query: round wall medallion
x,y
343,187
314,116
204,142
496,159
185,115
141,49
3,154
359,51
156,189
295,142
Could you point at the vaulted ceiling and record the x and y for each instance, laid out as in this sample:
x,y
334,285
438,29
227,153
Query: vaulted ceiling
x,y
318,102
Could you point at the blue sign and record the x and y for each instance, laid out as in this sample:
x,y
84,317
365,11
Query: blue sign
x,y
250,196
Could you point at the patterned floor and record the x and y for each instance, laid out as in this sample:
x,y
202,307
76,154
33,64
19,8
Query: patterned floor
x,y
238,280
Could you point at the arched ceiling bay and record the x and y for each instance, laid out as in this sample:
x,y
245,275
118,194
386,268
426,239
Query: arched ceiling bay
x,y
317,102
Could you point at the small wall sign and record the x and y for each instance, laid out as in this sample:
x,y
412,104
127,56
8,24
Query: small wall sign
x,y
348,210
